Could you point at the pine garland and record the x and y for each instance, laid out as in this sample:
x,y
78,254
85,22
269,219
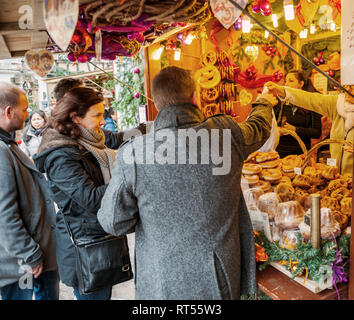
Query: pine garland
x,y
316,261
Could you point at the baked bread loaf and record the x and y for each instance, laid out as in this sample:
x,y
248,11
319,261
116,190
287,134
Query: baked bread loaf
x,y
289,215
301,181
268,203
330,173
251,196
285,191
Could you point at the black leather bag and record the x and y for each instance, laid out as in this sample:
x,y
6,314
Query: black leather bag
x,y
101,263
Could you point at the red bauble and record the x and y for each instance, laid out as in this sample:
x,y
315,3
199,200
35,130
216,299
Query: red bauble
x,y
76,38
268,52
331,73
267,12
264,5
82,58
316,60
255,7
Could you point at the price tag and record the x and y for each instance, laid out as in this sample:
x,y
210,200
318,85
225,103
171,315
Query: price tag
x,y
297,170
307,219
260,222
331,162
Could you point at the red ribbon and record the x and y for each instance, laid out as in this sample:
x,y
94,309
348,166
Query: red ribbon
x,y
335,4
299,15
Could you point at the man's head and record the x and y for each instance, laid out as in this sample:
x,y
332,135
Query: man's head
x,y
13,107
172,85
64,85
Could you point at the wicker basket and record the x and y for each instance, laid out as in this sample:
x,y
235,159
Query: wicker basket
x,y
298,139
320,144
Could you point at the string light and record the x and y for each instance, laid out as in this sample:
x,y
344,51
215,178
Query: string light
x,y
246,24
189,39
177,56
266,34
275,20
332,26
289,10
157,53
312,29
303,34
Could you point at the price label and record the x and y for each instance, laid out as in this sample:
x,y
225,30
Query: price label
x,y
297,170
331,162
260,222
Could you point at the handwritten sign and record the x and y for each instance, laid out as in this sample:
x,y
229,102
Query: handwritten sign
x,y
320,83
347,43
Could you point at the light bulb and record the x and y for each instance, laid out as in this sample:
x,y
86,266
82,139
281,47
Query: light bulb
x,y
275,20
303,34
246,24
266,34
312,29
332,26
157,53
289,10
189,39
177,56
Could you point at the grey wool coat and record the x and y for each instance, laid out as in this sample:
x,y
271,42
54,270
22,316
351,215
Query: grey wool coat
x,y
27,215
193,234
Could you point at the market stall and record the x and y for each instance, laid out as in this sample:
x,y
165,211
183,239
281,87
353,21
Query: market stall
x,y
232,55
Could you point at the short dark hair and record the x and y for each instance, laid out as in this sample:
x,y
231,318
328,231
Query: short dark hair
x,y
77,100
64,85
9,95
172,85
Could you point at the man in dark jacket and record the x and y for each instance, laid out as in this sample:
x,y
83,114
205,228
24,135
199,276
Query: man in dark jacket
x,y
193,234
27,216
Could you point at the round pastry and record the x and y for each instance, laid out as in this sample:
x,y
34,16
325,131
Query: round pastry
x,y
268,203
285,179
315,179
290,175
342,219
346,206
324,193
290,162
330,173
340,193
251,196
305,230
301,181
289,214
252,157
300,195
285,192
331,203
310,171
269,164
336,184
266,156
329,226
251,169
275,231
320,167
271,175
264,185
250,179
349,179
347,231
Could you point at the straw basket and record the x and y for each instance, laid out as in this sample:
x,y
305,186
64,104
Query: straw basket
x,y
320,144
298,139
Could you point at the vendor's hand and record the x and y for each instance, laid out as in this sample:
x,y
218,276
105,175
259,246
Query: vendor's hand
x,y
289,127
37,270
269,97
275,89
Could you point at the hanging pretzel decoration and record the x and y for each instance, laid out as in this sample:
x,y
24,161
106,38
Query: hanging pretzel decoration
x,y
210,94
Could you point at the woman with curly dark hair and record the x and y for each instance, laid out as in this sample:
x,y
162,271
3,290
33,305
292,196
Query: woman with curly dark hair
x,y
78,167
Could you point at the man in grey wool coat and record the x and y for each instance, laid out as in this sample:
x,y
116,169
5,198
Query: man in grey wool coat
x,y
27,216
178,188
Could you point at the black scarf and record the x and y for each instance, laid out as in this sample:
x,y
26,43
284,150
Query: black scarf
x,y
6,137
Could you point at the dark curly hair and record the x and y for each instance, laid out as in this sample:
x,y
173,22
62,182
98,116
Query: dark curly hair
x,y
77,101
64,85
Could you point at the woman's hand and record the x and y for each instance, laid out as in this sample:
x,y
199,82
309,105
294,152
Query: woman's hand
x,y
289,127
275,89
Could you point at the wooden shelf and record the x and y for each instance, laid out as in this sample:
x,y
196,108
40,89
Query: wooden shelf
x,y
278,286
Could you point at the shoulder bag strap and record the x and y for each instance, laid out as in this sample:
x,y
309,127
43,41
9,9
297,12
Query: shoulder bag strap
x,y
69,231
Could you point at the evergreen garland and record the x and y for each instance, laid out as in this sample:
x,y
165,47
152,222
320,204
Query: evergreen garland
x,y
125,103
316,261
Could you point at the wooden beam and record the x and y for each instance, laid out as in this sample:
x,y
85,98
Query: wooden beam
x,y
39,40
4,50
38,20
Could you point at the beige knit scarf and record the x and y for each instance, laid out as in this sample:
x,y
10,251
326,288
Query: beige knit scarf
x,y
94,142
